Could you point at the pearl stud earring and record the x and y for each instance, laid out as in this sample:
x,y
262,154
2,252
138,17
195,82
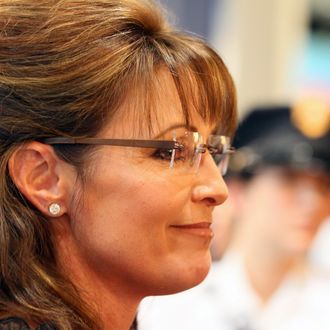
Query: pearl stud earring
x,y
54,209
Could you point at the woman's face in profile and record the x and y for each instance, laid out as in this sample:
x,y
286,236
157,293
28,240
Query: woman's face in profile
x,y
140,222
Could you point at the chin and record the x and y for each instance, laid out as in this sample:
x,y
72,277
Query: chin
x,y
185,276
303,241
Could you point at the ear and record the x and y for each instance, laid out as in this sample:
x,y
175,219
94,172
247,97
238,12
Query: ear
x,y
42,177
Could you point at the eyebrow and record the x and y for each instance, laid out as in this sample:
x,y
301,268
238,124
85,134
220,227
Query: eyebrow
x,y
188,127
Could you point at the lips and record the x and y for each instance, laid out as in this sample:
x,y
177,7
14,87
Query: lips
x,y
201,229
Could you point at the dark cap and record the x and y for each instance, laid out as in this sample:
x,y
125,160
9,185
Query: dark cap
x,y
267,136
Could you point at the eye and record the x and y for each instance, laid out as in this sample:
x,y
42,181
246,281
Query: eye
x,y
163,154
167,154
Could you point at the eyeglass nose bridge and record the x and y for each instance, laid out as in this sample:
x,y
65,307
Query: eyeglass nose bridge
x,y
214,150
224,153
201,148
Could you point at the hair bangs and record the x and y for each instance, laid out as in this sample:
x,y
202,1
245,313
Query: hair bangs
x,y
202,80
205,85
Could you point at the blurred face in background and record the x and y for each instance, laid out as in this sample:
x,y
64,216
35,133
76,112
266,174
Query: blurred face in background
x,y
222,224
224,219
282,209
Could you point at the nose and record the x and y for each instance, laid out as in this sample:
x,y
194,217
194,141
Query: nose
x,y
210,188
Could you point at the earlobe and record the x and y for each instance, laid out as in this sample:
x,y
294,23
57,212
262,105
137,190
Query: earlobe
x,y
55,209
37,172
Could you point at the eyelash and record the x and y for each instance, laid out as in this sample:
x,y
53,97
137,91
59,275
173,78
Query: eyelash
x,y
166,154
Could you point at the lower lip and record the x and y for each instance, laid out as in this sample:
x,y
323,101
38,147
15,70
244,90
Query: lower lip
x,y
196,230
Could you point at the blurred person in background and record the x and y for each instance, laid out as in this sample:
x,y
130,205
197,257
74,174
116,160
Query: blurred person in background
x,y
279,196
224,221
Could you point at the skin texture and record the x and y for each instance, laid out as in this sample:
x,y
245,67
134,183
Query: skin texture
x,y
120,234
131,205
124,230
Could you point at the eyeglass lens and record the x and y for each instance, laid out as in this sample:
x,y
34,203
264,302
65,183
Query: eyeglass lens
x,y
192,148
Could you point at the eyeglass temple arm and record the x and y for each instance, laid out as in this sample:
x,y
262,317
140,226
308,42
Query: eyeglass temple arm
x,y
165,144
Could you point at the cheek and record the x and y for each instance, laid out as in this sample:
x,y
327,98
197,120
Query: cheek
x,y
123,229
267,207
323,210
122,205
125,216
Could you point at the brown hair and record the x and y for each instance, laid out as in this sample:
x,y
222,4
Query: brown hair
x,y
66,67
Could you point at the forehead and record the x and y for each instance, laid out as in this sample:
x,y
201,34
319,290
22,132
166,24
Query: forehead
x,y
150,109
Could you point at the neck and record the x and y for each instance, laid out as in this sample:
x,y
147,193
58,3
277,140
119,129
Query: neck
x,y
265,269
266,273
115,306
113,300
